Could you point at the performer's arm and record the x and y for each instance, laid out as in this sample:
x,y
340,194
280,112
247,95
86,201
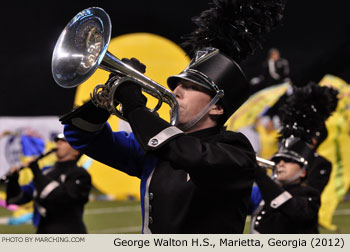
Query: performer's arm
x,y
74,188
16,194
119,150
298,208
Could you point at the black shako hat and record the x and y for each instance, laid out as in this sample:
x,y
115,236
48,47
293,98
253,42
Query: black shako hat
x,y
216,72
225,35
304,113
303,118
295,150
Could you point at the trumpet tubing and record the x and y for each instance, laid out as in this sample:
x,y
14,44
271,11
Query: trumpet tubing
x,y
82,48
265,163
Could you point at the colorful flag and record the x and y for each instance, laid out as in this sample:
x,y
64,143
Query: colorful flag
x,y
32,145
336,149
245,119
255,106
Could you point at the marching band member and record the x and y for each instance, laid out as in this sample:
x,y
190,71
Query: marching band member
x,y
195,177
290,202
288,205
59,192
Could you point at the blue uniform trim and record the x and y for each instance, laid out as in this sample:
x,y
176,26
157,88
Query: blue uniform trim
x,y
255,199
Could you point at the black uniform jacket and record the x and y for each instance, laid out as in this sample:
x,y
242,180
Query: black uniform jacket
x,y
319,173
291,209
190,183
60,195
195,183
202,183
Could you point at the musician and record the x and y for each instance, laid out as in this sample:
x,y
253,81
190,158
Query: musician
x,y
195,177
59,192
276,68
288,205
309,107
291,205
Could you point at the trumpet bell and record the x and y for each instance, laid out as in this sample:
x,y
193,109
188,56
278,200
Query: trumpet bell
x,y
81,47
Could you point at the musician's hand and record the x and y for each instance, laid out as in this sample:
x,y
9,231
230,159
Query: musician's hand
x,y
14,169
86,113
136,64
130,96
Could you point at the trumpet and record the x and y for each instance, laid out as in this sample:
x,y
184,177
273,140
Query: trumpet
x,y
82,48
267,164
5,178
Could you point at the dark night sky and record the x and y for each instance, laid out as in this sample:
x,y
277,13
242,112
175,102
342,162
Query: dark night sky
x,y
314,38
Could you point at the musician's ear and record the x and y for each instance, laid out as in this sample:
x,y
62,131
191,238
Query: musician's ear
x,y
76,152
216,110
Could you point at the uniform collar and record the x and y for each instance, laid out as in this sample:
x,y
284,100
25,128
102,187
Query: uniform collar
x,y
66,164
291,186
206,132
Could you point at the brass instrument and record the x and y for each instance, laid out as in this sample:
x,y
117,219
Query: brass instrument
x,y
268,165
4,178
82,48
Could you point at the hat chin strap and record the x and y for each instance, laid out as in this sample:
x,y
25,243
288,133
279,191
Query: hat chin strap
x,y
204,111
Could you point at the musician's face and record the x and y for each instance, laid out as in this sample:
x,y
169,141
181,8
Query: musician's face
x,y
289,172
275,55
65,152
192,98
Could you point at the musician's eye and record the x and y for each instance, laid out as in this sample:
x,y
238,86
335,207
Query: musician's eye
x,y
191,87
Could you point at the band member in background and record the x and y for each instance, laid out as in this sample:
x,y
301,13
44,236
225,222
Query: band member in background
x,y
59,192
195,177
288,206
276,68
291,200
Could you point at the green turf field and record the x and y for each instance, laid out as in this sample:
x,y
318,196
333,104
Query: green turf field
x,y
111,217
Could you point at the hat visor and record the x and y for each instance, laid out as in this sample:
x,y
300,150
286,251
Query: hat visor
x,y
173,80
60,137
288,156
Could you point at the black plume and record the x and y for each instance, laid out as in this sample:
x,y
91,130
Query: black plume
x,y
306,110
235,27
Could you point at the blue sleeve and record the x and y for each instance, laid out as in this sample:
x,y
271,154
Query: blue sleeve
x,y
119,150
255,199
